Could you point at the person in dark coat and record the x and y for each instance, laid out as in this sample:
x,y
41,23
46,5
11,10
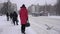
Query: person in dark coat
x,y
11,15
23,17
15,16
7,15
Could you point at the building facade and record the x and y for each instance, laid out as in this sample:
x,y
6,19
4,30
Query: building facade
x,y
1,5
58,7
45,10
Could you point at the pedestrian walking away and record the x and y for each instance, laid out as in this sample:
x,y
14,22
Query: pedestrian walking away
x,y
15,16
23,17
11,15
7,15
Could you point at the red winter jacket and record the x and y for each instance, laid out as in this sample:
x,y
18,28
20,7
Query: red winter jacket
x,y
23,15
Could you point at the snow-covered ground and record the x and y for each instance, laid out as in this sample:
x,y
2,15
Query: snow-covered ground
x,y
55,17
45,25
39,25
7,27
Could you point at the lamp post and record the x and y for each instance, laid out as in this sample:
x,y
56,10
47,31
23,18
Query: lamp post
x,y
45,8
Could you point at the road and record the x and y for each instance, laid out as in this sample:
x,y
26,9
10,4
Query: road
x,y
45,25
39,25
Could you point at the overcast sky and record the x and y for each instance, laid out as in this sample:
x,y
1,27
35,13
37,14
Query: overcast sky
x,y
29,2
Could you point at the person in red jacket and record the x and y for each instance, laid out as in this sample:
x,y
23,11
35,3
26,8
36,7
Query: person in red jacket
x,y
23,17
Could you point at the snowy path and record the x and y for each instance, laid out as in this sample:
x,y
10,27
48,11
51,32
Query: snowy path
x,y
39,25
45,25
55,17
6,27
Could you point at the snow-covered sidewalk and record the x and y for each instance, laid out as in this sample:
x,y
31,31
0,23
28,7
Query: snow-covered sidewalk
x,y
45,25
6,27
39,25
55,17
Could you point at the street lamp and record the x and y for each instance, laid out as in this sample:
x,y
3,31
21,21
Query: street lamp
x,y
45,7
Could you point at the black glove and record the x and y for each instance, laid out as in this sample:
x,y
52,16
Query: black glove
x,y
27,18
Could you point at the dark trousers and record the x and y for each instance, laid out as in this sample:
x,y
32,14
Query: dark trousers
x,y
7,18
14,21
23,28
